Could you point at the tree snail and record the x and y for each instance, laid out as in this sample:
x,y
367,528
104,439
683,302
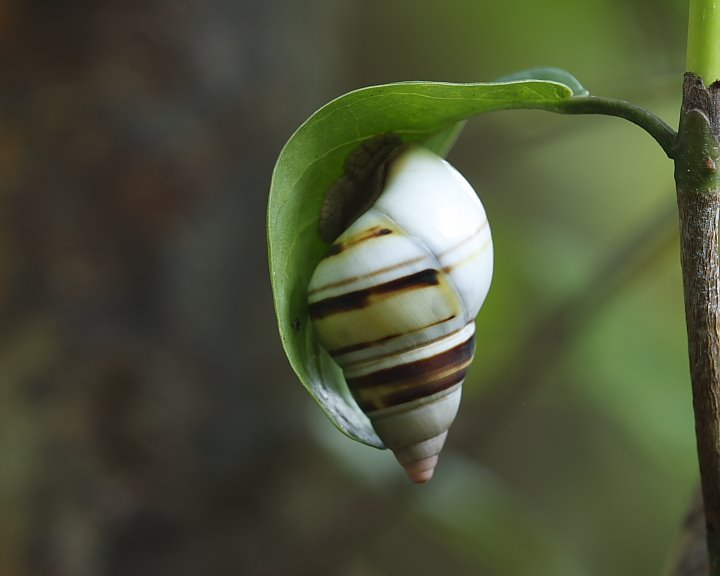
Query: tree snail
x,y
394,299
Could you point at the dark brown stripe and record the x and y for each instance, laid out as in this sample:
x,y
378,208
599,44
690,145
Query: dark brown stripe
x,y
419,371
352,241
406,395
360,298
398,352
346,281
371,343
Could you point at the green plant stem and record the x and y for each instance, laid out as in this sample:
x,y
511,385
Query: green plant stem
x,y
703,50
697,178
654,125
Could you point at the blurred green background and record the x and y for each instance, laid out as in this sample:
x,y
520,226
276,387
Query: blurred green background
x,y
149,422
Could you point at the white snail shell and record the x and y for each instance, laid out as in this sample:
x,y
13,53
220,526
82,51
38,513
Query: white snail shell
x,y
394,302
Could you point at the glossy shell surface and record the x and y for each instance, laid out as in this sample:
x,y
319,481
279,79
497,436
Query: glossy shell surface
x,y
394,303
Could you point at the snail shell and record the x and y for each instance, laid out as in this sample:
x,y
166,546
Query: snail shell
x,y
394,302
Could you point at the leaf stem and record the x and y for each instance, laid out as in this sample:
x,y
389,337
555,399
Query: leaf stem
x,y
703,47
651,123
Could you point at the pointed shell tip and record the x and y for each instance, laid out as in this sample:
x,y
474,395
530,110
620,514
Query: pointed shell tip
x,y
421,471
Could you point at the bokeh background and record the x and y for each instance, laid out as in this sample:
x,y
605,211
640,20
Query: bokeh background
x,y
149,422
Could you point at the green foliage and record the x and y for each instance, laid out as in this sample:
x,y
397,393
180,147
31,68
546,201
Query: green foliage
x,y
427,112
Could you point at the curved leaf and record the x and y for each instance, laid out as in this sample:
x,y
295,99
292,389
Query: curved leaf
x,y
428,112
551,74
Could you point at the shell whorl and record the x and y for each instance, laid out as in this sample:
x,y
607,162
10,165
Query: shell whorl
x,y
394,302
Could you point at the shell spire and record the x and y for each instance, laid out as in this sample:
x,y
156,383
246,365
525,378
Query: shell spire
x,y
394,302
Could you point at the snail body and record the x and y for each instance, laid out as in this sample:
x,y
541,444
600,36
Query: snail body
x,y
394,302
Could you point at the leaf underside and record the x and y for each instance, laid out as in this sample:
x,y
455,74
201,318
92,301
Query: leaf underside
x,y
431,113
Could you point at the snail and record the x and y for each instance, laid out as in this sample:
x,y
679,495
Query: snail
x,y
394,299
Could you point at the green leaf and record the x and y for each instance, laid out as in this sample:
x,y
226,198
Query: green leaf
x,y
427,112
551,74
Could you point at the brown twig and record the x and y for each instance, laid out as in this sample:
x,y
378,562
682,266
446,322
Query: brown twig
x,y
698,194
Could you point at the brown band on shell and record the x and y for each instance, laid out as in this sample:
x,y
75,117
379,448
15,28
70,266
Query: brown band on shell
x,y
409,394
385,339
361,298
418,370
415,380
359,186
351,279
374,232
347,365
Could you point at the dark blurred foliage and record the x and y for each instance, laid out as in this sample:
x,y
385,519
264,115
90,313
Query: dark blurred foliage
x,y
149,423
